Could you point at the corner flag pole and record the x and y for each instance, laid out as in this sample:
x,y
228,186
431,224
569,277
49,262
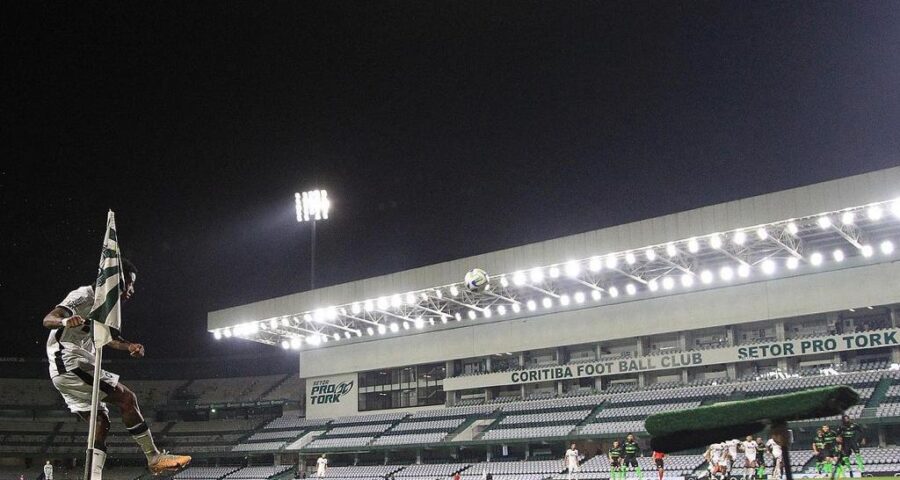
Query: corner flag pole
x,y
104,317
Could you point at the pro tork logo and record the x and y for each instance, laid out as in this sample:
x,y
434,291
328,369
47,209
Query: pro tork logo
x,y
323,391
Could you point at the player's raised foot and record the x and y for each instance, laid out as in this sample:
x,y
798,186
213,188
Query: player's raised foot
x,y
165,463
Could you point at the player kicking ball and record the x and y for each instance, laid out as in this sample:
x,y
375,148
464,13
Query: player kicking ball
x,y
70,350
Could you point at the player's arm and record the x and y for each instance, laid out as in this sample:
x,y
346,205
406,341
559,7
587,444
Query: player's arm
x,y
59,318
134,349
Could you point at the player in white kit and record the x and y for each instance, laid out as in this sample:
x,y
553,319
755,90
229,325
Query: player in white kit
x,y
732,447
571,462
321,466
713,456
748,446
48,471
775,448
70,351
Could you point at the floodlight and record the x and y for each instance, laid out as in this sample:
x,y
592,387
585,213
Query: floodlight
x,y
650,254
419,323
531,305
739,237
792,228
226,333
370,331
838,255
355,309
792,263
396,301
547,302
536,274
824,222
312,205
653,285
501,310
847,218
768,266
629,258
579,297
595,264
273,323
816,259
285,344
516,307
630,289
472,315
454,291
406,325
887,247
596,295
762,233
874,213
726,273
613,292
217,334
554,272
572,268
611,261
487,312
296,343
504,282
519,278
743,270
693,245
715,241
671,251
394,327
687,280
668,283
564,300
706,277
410,299
381,329
867,251
382,303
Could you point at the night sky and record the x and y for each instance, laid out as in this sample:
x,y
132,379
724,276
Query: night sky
x,y
440,129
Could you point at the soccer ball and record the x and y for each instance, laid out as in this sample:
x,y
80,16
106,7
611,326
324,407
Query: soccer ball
x,y
477,280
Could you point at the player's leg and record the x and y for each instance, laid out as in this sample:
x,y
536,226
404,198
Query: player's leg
x,y
101,430
637,469
159,462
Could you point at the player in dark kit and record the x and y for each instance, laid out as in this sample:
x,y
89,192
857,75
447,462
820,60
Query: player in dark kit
x,y
632,450
818,446
851,433
760,458
615,454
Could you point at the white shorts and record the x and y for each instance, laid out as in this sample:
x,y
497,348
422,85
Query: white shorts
x,y
76,388
750,458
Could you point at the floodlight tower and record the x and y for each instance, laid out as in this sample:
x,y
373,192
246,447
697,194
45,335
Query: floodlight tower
x,y
312,206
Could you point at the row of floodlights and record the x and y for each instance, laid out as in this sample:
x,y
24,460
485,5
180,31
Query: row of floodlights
x,y
686,280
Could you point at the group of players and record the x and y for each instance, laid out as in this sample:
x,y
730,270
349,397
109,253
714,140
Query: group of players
x,y
833,451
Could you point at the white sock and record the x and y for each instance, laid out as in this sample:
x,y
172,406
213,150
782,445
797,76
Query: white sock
x,y
97,462
141,434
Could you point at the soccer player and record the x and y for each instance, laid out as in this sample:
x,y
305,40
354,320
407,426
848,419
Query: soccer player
x,y
321,466
571,462
760,458
818,447
732,447
615,460
841,458
48,471
70,350
658,459
632,450
852,435
748,446
713,456
778,466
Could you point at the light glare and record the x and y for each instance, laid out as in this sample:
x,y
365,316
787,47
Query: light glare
x,y
547,302
816,259
726,273
572,268
595,264
838,255
867,251
739,237
792,263
650,254
579,297
693,245
596,295
671,251
706,277
874,213
630,289
743,270
824,222
653,285
537,275
668,283
847,218
715,241
629,258
887,247
613,292
687,280
768,266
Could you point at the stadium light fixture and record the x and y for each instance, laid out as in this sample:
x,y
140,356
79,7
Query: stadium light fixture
x,y
285,344
611,261
382,303
824,222
487,312
410,299
613,292
217,334
668,283
630,289
519,278
396,301
472,315
816,259
516,308
311,207
743,270
564,300
792,263
874,213
847,218
579,297
671,251
531,305
650,254
693,245
501,310
706,277
355,309
313,340
768,266
595,264
573,268
406,325
887,247
458,317
762,233
454,290
653,285
792,228
726,273
687,280
382,329
554,272
838,255
867,251
536,274
547,302
596,295
420,324
394,327
715,241
504,282
630,258
739,237
226,333
370,331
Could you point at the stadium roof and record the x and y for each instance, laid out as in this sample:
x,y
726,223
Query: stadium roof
x,y
828,226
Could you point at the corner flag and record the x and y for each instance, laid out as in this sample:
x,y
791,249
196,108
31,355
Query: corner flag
x,y
105,314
